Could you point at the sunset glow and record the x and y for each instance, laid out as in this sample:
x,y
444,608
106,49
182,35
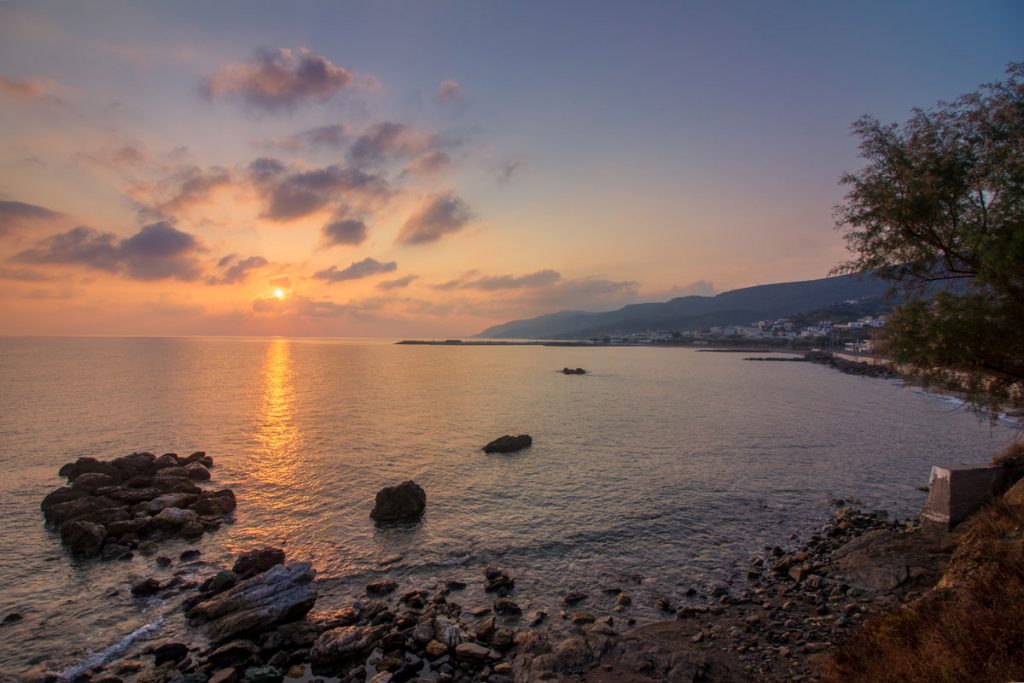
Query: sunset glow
x,y
191,170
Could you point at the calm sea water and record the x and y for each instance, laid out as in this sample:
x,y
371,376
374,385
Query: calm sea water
x,y
666,467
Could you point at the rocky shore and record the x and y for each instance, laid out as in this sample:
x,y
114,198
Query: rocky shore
x,y
256,622
843,365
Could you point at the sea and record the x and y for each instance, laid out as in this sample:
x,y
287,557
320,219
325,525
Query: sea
x,y
659,471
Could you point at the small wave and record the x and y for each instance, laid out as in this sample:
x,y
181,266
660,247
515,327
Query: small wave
x,y
98,658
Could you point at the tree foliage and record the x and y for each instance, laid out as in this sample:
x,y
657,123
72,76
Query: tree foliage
x,y
938,210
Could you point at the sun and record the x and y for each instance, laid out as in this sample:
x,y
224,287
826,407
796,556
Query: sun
x,y
279,293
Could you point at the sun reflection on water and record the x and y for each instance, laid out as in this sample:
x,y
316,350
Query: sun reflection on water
x,y
275,461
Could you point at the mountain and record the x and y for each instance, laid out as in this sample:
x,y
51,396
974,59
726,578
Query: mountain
x,y
736,307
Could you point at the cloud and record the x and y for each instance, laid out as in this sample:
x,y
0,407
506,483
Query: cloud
x,y
399,283
507,169
345,231
358,269
299,305
276,80
449,91
31,90
387,139
158,251
266,169
439,215
194,186
335,136
299,194
429,164
698,288
237,270
23,275
15,215
541,278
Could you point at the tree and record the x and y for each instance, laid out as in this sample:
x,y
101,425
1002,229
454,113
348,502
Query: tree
x,y
938,210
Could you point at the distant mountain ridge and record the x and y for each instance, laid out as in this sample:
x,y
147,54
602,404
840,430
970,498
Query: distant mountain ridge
x,y
735,307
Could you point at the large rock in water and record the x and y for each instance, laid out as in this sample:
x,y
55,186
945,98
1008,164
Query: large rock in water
x,y
257,561
509,444
83,538
281,594
394,503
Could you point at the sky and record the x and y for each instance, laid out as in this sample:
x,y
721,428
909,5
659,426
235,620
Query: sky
x,y
429,169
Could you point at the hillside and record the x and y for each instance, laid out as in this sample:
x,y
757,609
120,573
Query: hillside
x,y
735,307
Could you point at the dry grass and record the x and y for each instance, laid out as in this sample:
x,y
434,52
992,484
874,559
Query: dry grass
x,y
969,629
1011,456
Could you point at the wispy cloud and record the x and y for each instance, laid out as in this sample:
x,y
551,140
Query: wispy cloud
x,y
440,215
358,269
278,80
399,283
235,270
14,215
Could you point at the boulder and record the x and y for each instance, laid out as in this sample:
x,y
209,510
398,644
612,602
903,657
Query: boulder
x,y
170,500
336,648
509,444
87,465
64,494
135,464
73,509
83,538
91,481
146,587
281,594
403,502
165,461
257,561
128,494
169,652
216,503
197,471
219,582
174,519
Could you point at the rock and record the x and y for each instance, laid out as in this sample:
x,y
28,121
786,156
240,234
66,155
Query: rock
x,y
64,494
146,587
163,561
189,555
148,548
338,647
233,653
485,629
216,503
257,561
573,371
166,461
219,582
86,466
128,494
472,651
174,519
506,606
572,654
403,502
224,676
135,464
83,538
535,617
447,632
169,652
509,444
197,472
281,594
170,500
91,481
264,674
381,587
436,649
497,580
80,507
13,618
573,597
580,618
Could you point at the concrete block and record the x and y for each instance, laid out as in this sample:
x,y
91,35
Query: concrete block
x,y
955,491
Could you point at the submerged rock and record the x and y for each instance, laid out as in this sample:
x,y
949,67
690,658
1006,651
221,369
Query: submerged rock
x,y
281,594
509,444
403,502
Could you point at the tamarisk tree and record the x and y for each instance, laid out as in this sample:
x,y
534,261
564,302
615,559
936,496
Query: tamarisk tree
x,y
938,210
